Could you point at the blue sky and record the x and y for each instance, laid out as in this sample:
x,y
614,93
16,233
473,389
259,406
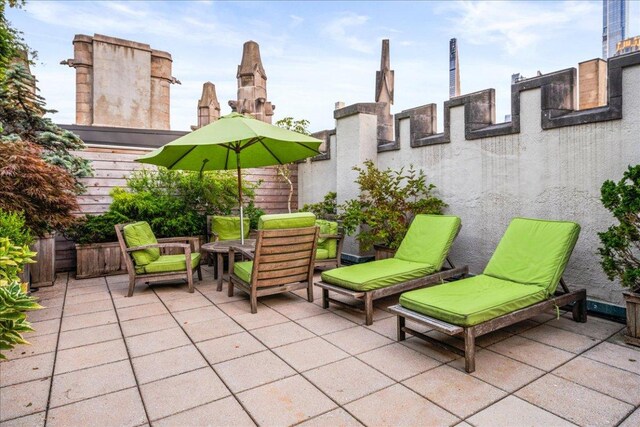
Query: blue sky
x,y
317,53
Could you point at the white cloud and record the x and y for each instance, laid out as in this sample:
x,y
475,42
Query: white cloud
x,y
341,30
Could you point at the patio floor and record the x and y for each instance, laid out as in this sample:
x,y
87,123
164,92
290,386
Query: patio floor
x,y
167,357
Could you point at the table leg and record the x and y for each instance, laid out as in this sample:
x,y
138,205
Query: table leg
x,y
220,271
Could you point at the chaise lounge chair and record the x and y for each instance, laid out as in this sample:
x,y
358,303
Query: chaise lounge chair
x,y
519,282
417,263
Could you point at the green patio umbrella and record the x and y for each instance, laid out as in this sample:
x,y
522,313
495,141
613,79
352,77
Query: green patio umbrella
x,y
221,145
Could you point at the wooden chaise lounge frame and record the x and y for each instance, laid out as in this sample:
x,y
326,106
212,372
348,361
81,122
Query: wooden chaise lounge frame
x,y
283,261
561,299
366,298
332,262
185,243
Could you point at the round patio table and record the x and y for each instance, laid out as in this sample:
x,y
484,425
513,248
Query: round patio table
x,y
221,249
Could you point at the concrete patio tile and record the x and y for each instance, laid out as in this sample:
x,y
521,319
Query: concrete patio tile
x,y
81,283
616,355
632,420
532,352
34,420
559,338
81,337
221,297
147,324
23,399
80,385
285,402
90,355
45,327
398,361
156,366
492,338
281,334
81,299
389,327
185,391
154,342
239,307
455,391
198,315
88,320
252,371
122,408
122,292
326,323
358,316
545,317
140,311
337,417
264,317
347,380
595,327
171,291
230,347
357,340
117,278
399,406
50,302
26,369
430,350
309,354
223,412
39,344
89,307
619,384
520,327
194,300
299,309
512,411
574,402
148,298
78,291
500,371
45,314
210,329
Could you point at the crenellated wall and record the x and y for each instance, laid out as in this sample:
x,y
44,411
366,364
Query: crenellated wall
x,y
548,162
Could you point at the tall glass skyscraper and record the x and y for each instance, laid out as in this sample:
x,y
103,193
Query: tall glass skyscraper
x,y
614,25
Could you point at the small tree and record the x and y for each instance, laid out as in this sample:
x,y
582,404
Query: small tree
x,y
284,171
620,250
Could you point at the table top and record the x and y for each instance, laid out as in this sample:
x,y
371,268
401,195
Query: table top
x,y
223,245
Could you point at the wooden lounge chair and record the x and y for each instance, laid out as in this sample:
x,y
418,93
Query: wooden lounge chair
x,y
144,262
417,263
282,262
519,282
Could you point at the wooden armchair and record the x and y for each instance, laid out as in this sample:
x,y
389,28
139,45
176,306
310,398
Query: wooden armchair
x,y
283,261
141,251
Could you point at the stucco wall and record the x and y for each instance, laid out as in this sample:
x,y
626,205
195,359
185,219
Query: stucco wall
x,y
552,174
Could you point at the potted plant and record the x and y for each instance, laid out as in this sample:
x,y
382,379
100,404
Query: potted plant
x,y
388,201
13,227
620,250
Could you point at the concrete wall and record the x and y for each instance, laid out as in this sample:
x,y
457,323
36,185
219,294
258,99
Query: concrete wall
x,y
524,170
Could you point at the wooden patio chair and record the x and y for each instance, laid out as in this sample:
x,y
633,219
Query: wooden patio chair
x,y
419,262
282,262
519,282
329,249
145,264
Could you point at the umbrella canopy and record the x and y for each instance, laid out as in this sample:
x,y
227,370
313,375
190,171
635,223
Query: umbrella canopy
x,y
233,142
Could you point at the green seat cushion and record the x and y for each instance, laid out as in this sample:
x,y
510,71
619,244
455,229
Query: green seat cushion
x,y
169,263
243,270
322,254
471,301
228,227
429,239
330,245
292,220
140,234
534,252
376,274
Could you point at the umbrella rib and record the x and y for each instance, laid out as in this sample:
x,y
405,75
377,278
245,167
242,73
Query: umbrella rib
x,y
271,152
301,144
182,157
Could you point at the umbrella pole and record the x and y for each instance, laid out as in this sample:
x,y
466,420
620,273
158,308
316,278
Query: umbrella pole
x,y
240,197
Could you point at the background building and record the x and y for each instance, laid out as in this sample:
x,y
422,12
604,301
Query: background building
x,y
614,25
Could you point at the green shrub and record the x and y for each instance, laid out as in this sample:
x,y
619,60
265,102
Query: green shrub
x,y
13,227
253,213
620,250
326,209
96,228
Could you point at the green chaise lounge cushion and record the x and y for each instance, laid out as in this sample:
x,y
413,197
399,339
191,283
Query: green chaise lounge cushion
x,y
422,252
289,220
228,227
169,263
472,301
327,248
140,234
376,274
243,270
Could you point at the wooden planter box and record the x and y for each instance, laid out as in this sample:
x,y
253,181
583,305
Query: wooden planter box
x,y
383,252
633,318
99,259
43,272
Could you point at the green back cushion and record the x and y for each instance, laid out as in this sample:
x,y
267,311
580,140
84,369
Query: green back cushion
x,y
330,245
534,252
140,234
292,220
429,239
228,227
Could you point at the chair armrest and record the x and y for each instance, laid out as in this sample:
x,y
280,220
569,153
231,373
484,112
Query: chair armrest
x,y
160,245
177,239
214,237
234,249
